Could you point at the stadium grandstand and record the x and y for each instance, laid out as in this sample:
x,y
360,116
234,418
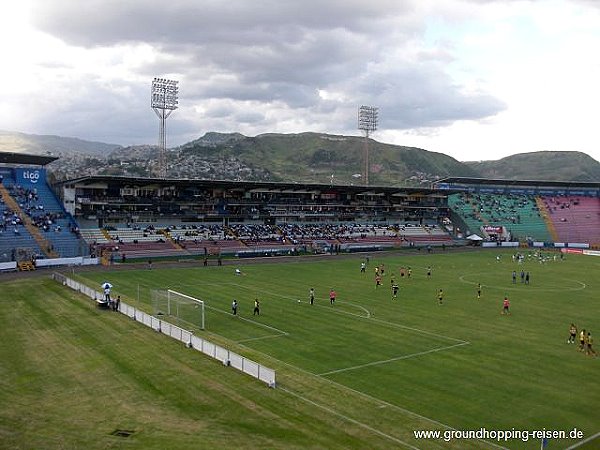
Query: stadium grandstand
x,y
34,225
526,211
143,217
124,218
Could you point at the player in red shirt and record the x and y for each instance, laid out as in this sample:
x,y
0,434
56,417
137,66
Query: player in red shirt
x,y
332,296
506,306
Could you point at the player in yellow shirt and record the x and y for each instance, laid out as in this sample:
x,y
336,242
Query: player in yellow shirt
x,y
590,351
582,339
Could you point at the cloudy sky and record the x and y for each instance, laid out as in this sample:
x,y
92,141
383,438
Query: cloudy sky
x,y
475,79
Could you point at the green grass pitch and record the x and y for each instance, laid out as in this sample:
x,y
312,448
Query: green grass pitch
x,y
363,373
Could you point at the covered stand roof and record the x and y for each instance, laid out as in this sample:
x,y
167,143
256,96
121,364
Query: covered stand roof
x,y
25,159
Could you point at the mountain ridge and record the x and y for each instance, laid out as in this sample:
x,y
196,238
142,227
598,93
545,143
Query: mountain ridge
x,y
308,157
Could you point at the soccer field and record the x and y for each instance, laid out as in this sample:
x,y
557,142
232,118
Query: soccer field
x,y
461,364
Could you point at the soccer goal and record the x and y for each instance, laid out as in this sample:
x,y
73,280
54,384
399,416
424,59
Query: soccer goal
x,y
184,308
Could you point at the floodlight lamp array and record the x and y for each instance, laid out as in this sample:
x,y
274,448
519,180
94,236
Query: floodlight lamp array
x,y
164,94
367,118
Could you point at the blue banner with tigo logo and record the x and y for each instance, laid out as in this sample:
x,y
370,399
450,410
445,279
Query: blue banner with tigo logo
x,y
30,177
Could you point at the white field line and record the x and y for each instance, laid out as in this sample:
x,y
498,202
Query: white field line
x,y
382,403
270,336
264,325
398,358
337,311
349,419
429,333
584,441
319,306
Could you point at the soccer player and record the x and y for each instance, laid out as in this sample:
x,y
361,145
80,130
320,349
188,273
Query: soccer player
x,y
377,281
572,334
311,295
409,272
363,266
527,278
395,288
256,307
238,271
582,339
332,296
590,351
234,307
429,272
116,303
478,290
506,306
514,277
522,276
440,297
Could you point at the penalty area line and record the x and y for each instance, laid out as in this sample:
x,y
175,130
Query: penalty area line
x,y
248,320
398,358
348,419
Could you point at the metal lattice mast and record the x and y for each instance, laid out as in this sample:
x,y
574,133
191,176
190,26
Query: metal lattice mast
x,y
367,122
164,100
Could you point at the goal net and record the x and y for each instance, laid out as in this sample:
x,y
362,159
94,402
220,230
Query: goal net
x,y
185,309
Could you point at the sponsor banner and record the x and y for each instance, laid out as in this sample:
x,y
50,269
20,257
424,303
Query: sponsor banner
x,y
572,250
576,245
538,244
492,229
509,244
30,177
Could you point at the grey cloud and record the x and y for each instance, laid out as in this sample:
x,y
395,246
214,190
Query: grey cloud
x,y
270,52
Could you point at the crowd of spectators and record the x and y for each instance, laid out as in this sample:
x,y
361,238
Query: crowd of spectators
x,y
499,209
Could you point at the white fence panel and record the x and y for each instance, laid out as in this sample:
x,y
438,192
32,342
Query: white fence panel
x,y
197,343
251,368
267,375
177,333
222,354
129,311
186,337
165,328
208,348
146,319
155,323
236,361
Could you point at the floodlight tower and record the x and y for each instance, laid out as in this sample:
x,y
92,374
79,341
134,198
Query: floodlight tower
x,y
164,102
367,122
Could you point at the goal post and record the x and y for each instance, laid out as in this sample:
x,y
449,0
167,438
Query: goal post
x,y
182,307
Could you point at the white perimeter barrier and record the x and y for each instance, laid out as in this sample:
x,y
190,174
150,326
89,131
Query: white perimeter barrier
x,y
76,261
227,357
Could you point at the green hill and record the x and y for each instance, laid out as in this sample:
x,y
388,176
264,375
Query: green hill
x,y
315,157
547,166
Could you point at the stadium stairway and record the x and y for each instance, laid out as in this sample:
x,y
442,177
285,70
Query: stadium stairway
x,y
170,239
44,244
546,216
106,235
